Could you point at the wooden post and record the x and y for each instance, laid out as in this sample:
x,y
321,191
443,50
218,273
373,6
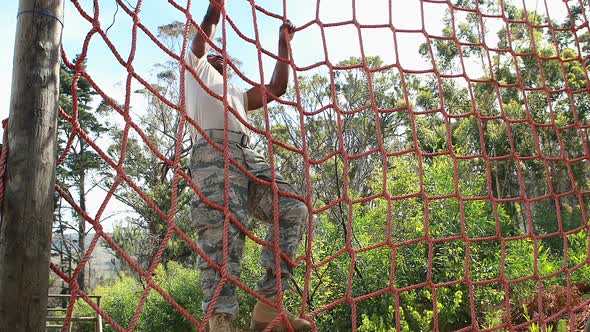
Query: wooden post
x,y
98,316
27,212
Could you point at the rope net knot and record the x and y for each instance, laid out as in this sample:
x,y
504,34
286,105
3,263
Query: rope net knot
x,y
440,148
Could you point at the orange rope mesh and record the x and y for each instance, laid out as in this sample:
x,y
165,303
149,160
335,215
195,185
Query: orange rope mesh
x,y
309,265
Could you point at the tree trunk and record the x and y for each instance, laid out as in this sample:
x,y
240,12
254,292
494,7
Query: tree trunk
x,y
61,248
27,213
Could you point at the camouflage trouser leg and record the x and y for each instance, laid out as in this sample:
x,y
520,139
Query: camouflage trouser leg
x,y
293,216
207,168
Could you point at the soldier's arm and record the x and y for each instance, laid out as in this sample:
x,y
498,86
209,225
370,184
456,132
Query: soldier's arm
x,y
280,77
199,45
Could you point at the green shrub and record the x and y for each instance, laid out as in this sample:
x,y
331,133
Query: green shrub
x,y
120,300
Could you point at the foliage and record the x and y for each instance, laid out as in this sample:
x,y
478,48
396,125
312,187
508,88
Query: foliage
x,y
440,197
120,300
78,173
143,230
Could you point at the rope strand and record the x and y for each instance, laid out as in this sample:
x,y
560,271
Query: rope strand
x,y
405,97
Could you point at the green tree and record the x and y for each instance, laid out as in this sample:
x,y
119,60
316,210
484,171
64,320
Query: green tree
x,y
148,163
426,197
77,174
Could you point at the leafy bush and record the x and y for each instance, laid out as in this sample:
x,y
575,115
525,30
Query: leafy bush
x,y
120,300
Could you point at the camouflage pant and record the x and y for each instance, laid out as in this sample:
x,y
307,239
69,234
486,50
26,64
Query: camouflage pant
x,y
246,198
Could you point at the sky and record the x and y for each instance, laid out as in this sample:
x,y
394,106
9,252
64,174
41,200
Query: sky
x,y
342,41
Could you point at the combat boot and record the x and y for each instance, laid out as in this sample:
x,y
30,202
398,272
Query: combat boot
x,y
263,314
220,323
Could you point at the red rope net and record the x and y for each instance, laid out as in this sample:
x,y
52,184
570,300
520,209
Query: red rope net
x,y
419,116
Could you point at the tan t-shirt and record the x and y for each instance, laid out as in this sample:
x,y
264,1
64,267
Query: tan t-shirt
x,y
206,110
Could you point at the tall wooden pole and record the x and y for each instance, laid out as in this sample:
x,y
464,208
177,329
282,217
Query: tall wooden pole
x,y
27,212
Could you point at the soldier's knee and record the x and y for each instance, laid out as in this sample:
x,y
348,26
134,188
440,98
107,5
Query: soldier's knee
x,y
304,210
298,213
